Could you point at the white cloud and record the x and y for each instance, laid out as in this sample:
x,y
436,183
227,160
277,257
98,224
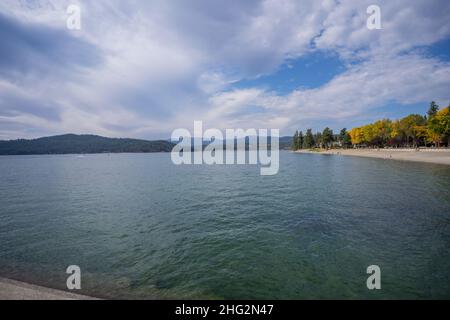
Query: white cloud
x,y
164,64
404,79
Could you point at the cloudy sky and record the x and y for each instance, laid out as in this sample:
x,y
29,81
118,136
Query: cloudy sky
x,y
144,68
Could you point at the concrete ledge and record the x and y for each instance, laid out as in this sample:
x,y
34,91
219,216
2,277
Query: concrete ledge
x,y
16,290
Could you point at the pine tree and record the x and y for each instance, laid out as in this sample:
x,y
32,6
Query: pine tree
x,y
295,141
345,138
300,140
309,139
433,110
327,137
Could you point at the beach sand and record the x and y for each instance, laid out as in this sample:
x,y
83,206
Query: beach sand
x,y
441,156
16,290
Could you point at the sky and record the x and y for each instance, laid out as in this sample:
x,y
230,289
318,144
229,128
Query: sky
x,y
142,69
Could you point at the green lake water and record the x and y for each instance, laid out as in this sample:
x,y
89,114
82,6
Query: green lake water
x,y
140,227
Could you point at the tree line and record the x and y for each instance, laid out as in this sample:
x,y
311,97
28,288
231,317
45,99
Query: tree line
x,y
412,131
79,144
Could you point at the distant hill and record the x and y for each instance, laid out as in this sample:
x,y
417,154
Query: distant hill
x,y
76,144
286,143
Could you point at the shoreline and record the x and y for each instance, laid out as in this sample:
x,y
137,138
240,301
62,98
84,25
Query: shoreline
x,y
17,290
435,156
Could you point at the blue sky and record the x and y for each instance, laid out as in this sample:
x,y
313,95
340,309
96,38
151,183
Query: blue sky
x,y
144,68
310,71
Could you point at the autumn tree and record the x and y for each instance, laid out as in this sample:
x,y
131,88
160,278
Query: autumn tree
x,y
356,136
412,128
438,129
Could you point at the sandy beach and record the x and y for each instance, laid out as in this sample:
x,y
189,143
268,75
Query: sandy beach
x,y
16,290
441,156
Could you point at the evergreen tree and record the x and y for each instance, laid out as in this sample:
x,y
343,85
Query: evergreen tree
x,y
318,140
327,137
345,138
308,140
433,110
295,141
300,140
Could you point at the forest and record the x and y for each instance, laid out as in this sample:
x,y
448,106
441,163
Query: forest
x,y
79,144
412,131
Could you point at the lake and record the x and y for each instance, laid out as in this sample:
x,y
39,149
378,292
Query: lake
x,y
140,227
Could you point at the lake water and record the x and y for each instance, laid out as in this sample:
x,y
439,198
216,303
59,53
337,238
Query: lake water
x,y
140,227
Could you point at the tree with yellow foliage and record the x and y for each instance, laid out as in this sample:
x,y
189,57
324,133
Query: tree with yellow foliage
x,y
438,129
356,136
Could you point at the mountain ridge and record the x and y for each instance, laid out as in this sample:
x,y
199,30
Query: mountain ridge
x,y
82,144
89,143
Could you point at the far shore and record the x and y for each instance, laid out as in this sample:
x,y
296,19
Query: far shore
x,y
16,290
438,156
